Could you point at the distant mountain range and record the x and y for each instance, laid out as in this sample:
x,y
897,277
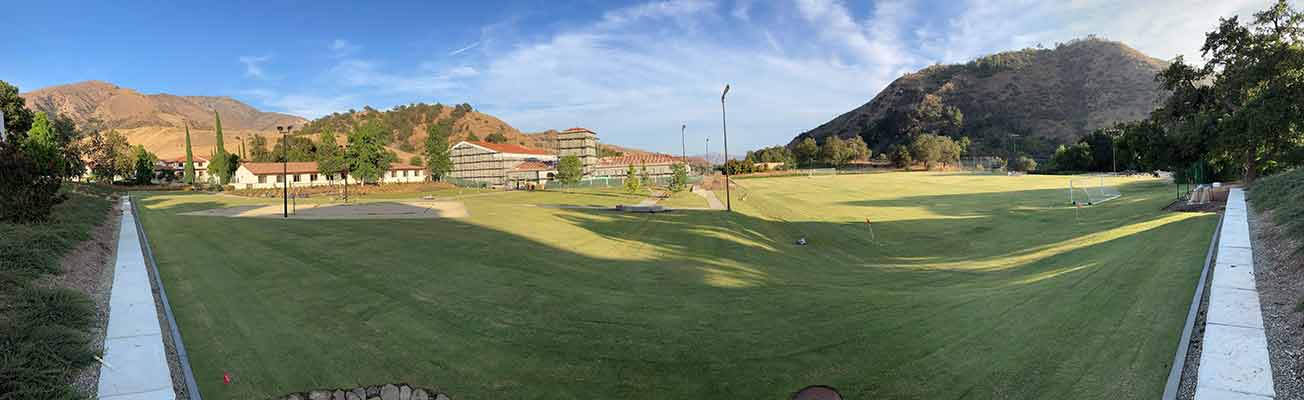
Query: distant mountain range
x,y
1045,96
157,121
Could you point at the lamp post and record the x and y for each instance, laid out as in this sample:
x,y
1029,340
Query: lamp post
x,y
346,175
724,126
285,169
683,144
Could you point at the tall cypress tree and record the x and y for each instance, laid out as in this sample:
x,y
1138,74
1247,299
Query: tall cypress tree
x,y
217,165
190,161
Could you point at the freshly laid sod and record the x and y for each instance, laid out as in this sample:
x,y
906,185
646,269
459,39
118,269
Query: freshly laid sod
x,y
970,286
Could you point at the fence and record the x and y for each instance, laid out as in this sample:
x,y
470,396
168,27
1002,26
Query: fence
x,y
618,181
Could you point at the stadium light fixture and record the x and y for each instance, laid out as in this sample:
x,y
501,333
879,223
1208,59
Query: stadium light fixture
x,y
683,144
724,126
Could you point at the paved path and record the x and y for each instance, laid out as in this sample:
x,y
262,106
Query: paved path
x,y
1234,361
652,199
135,363
711,200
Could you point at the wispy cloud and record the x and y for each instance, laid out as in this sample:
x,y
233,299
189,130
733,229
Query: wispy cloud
x,y
343,48
254,66
463,49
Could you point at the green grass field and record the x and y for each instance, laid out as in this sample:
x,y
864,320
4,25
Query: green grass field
x,y
973,286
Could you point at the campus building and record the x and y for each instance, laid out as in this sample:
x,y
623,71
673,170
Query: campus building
x,y
491,163
515,166
267,175
176,167
657,165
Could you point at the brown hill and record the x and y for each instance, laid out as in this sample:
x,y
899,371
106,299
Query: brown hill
x,y
157,120
407,124
1046,96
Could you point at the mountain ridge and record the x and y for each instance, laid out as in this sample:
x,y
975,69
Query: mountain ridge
x,y
1045,96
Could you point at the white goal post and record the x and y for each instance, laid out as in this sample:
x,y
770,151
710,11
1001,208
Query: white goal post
x,y
821,172
1091,190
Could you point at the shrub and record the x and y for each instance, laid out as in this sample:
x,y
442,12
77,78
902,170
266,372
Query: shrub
x,y
29,187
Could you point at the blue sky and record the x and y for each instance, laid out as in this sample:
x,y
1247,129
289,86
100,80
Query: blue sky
x,y
632,71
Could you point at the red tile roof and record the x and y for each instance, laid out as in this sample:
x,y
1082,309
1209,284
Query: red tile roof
x,y
275,168
577,129
197,159
401,167
638,159
510,148
532,166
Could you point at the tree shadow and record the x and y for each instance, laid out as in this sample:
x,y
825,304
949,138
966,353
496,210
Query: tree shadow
x,y
669,305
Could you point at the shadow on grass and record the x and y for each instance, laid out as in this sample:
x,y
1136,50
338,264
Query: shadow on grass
x,y
672,305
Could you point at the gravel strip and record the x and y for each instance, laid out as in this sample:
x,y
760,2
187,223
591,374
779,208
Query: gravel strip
x,y
88,268
174,361
1279,274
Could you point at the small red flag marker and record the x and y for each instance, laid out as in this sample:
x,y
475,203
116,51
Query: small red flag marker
x,y
226,378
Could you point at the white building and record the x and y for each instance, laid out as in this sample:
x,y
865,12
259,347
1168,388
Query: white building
x,y
177,167
302,174
491,163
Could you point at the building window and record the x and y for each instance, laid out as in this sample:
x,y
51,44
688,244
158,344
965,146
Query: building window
x,y
296,177
262,178
312,178
280,179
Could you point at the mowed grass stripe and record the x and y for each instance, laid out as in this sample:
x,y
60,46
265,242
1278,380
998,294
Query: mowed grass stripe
x,y
975,287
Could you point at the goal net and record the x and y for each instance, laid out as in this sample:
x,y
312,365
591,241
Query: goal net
x,y
1089,191
821,172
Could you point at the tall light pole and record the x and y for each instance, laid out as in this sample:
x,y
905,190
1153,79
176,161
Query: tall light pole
x,y
724,126
285,169
2,125
683,144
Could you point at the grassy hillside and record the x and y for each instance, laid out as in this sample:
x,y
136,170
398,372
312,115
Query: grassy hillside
x,y
1283,195
1048,96
969,287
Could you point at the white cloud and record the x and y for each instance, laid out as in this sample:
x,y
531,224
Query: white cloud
x,y
464,48
635,73
343,48
254,66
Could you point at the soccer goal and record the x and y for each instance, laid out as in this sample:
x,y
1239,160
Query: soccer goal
x,y
821,172
1089,191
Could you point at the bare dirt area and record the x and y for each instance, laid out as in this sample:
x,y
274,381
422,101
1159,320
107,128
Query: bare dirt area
x,y
377,210
88,268
1279,271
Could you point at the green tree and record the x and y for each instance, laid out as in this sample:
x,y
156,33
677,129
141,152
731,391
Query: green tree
x,y
218,163
901,157
496,137
142,165
189,177
18,119
258,151
366,154
859,150
679,178
834,152
806,152
471,137
1075,157
1023,164
416,161
570,169
438,155
1241,110
330,158
632,184
41,143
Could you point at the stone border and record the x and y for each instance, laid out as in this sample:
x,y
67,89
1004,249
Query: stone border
x,y
1234,360
380,392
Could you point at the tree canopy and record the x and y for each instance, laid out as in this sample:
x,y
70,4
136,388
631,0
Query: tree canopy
x,y
367,157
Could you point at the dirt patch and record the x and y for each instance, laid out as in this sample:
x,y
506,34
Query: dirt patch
x,y
1278,271
377,210
88,268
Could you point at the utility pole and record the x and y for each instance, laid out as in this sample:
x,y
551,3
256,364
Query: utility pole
x,y
724,126
683,144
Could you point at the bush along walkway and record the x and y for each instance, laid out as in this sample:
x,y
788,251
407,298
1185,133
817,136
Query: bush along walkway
x,y
135,361
1234,361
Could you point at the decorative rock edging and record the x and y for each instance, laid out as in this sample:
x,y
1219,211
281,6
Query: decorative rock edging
x,y
381,392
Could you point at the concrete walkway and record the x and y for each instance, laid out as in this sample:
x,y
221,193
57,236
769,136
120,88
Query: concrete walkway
x,y
135,362
1234,361
711,200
